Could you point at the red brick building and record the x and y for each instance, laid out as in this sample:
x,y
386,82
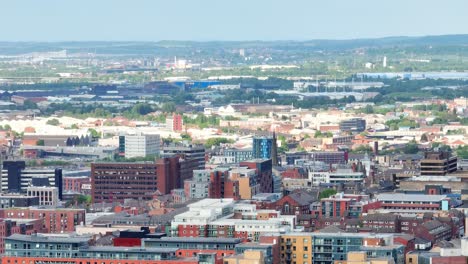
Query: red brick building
x,y
74,183
434,231
10,227
177,122
382,223
222,187
296,203
170,168
56,220
115,182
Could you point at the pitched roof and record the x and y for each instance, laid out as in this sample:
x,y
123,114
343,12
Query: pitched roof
x,y
302,197
380,217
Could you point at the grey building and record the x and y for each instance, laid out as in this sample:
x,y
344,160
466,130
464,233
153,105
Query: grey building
x,y
353,125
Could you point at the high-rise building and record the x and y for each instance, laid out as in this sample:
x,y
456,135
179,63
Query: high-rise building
x,y
353,125
175,123
211,184
264,170
168,171
116,181
238,154
15,178
191,158
140,145
265,148
124,180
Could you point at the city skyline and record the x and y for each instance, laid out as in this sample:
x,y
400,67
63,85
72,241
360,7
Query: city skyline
x,y
242,20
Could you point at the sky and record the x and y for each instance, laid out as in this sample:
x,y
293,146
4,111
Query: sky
x,y
206,20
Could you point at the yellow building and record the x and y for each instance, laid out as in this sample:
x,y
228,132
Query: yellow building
x,y
361,258
243,176
296,248
412,257
249,257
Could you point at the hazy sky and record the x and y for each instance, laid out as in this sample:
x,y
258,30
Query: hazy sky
x,y
57,20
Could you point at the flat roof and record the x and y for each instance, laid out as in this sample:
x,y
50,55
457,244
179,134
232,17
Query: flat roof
x,y
410,197
52,239
194,239
130,249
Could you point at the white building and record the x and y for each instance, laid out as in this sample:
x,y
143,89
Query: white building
x,y
203,212
47,195
141,145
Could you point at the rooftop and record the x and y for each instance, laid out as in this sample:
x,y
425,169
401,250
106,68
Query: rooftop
x,y
50,238
194,239
409,197
129,249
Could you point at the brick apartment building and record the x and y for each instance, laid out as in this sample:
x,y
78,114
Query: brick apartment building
x,y
54,220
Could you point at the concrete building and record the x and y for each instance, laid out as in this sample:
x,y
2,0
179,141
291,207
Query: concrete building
x,y
16,200
141,145
356,125
438,163
16,178
193,223
198,186
48,196
238,154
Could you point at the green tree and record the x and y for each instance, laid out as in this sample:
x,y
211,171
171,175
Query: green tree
x,y
7,127
411,148
327,193
94,133
369,109
142,109
216,142
53,122
40,142
186,136
462,152
169,107
362,149
28,104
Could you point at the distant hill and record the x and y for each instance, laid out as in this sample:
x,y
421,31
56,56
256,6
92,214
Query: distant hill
x,y
122,48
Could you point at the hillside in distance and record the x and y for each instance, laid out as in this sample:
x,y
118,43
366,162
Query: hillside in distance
x,y
168,47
